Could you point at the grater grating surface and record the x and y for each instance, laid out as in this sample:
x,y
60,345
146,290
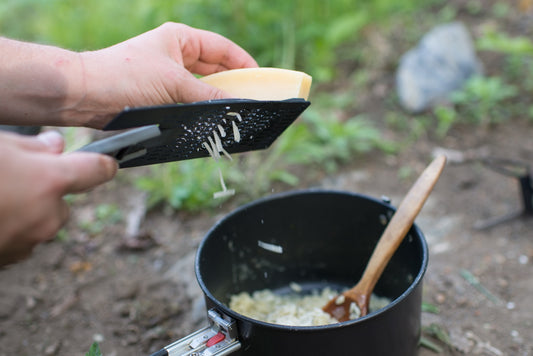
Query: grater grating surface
x,y
183,128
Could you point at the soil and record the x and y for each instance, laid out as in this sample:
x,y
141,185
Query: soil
x,y
135,292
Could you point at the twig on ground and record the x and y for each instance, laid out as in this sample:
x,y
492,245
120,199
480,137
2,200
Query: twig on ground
x,y
474,282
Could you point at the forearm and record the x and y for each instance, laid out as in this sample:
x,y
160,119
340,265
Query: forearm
x,y
45,85
40,85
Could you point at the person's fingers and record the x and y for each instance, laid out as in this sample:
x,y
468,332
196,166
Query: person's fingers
x,y
49,141
81,171
197,90
63,215
46,228
49,228
206,52
206,68
53,141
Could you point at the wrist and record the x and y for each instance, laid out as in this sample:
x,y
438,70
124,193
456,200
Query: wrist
x,y
49,86
39,84
98,104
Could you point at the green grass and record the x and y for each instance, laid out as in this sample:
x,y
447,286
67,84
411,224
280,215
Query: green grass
x,y
187,185
312,36
94,350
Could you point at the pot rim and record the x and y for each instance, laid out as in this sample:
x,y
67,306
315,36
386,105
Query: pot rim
x,y
223,307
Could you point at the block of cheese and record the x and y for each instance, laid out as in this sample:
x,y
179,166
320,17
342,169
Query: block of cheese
x,y
262,83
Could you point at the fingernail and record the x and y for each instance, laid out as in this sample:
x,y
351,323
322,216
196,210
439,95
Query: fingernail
x,y
52,139
111,166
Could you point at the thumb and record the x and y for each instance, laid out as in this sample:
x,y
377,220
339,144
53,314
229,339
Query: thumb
x,y
194,89
84,170
52,140
48,141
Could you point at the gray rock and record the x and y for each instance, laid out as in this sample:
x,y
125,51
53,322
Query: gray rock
x,y
443,60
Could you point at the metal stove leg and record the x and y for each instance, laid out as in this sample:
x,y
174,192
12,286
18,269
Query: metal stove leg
x,y
527,194
526,191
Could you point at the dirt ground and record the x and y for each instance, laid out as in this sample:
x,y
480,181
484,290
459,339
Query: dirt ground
x,y
135,295
99,287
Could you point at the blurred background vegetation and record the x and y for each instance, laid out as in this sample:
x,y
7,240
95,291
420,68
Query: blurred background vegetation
x,y
299,34
322,38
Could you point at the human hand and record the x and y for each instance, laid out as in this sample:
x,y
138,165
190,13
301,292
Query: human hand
x,y
35,176
155,68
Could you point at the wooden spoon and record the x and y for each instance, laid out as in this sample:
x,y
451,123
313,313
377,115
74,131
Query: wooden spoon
x,y
402,220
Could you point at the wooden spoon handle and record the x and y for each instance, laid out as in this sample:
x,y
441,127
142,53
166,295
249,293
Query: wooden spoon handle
x,y
400,223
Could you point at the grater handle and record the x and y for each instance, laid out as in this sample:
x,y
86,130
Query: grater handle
x,y
113,144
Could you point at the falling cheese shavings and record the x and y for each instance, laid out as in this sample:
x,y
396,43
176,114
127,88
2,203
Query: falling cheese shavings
x,y
218,142
225,191
212,151
236,114
215,147
236,133
222,131
216,155
208,148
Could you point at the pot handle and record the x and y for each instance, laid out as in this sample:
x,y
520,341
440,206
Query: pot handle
x,y
218,338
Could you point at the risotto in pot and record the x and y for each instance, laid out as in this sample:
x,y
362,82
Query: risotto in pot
x,y
293,309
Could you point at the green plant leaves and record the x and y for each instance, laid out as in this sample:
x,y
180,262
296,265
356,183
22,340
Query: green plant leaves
x,y
481,99
318,140
94,350
187,185
501,42
300,34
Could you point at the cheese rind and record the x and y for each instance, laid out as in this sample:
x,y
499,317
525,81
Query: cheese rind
x,y
262,83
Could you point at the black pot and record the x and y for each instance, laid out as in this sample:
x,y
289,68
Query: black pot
x,y
326,238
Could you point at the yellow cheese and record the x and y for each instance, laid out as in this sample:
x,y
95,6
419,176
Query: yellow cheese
x,y
262,83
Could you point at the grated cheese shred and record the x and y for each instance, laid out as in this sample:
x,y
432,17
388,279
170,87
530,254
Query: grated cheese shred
x,y
236,133
222,131
225,191
236,114
215,147
208,148
218,142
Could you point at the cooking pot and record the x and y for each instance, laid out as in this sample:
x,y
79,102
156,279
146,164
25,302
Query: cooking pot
x,y
315,238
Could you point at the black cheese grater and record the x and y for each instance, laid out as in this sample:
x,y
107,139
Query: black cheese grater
x,y
185,131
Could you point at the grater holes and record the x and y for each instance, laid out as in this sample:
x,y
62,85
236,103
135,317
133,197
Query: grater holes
x,y
261,124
